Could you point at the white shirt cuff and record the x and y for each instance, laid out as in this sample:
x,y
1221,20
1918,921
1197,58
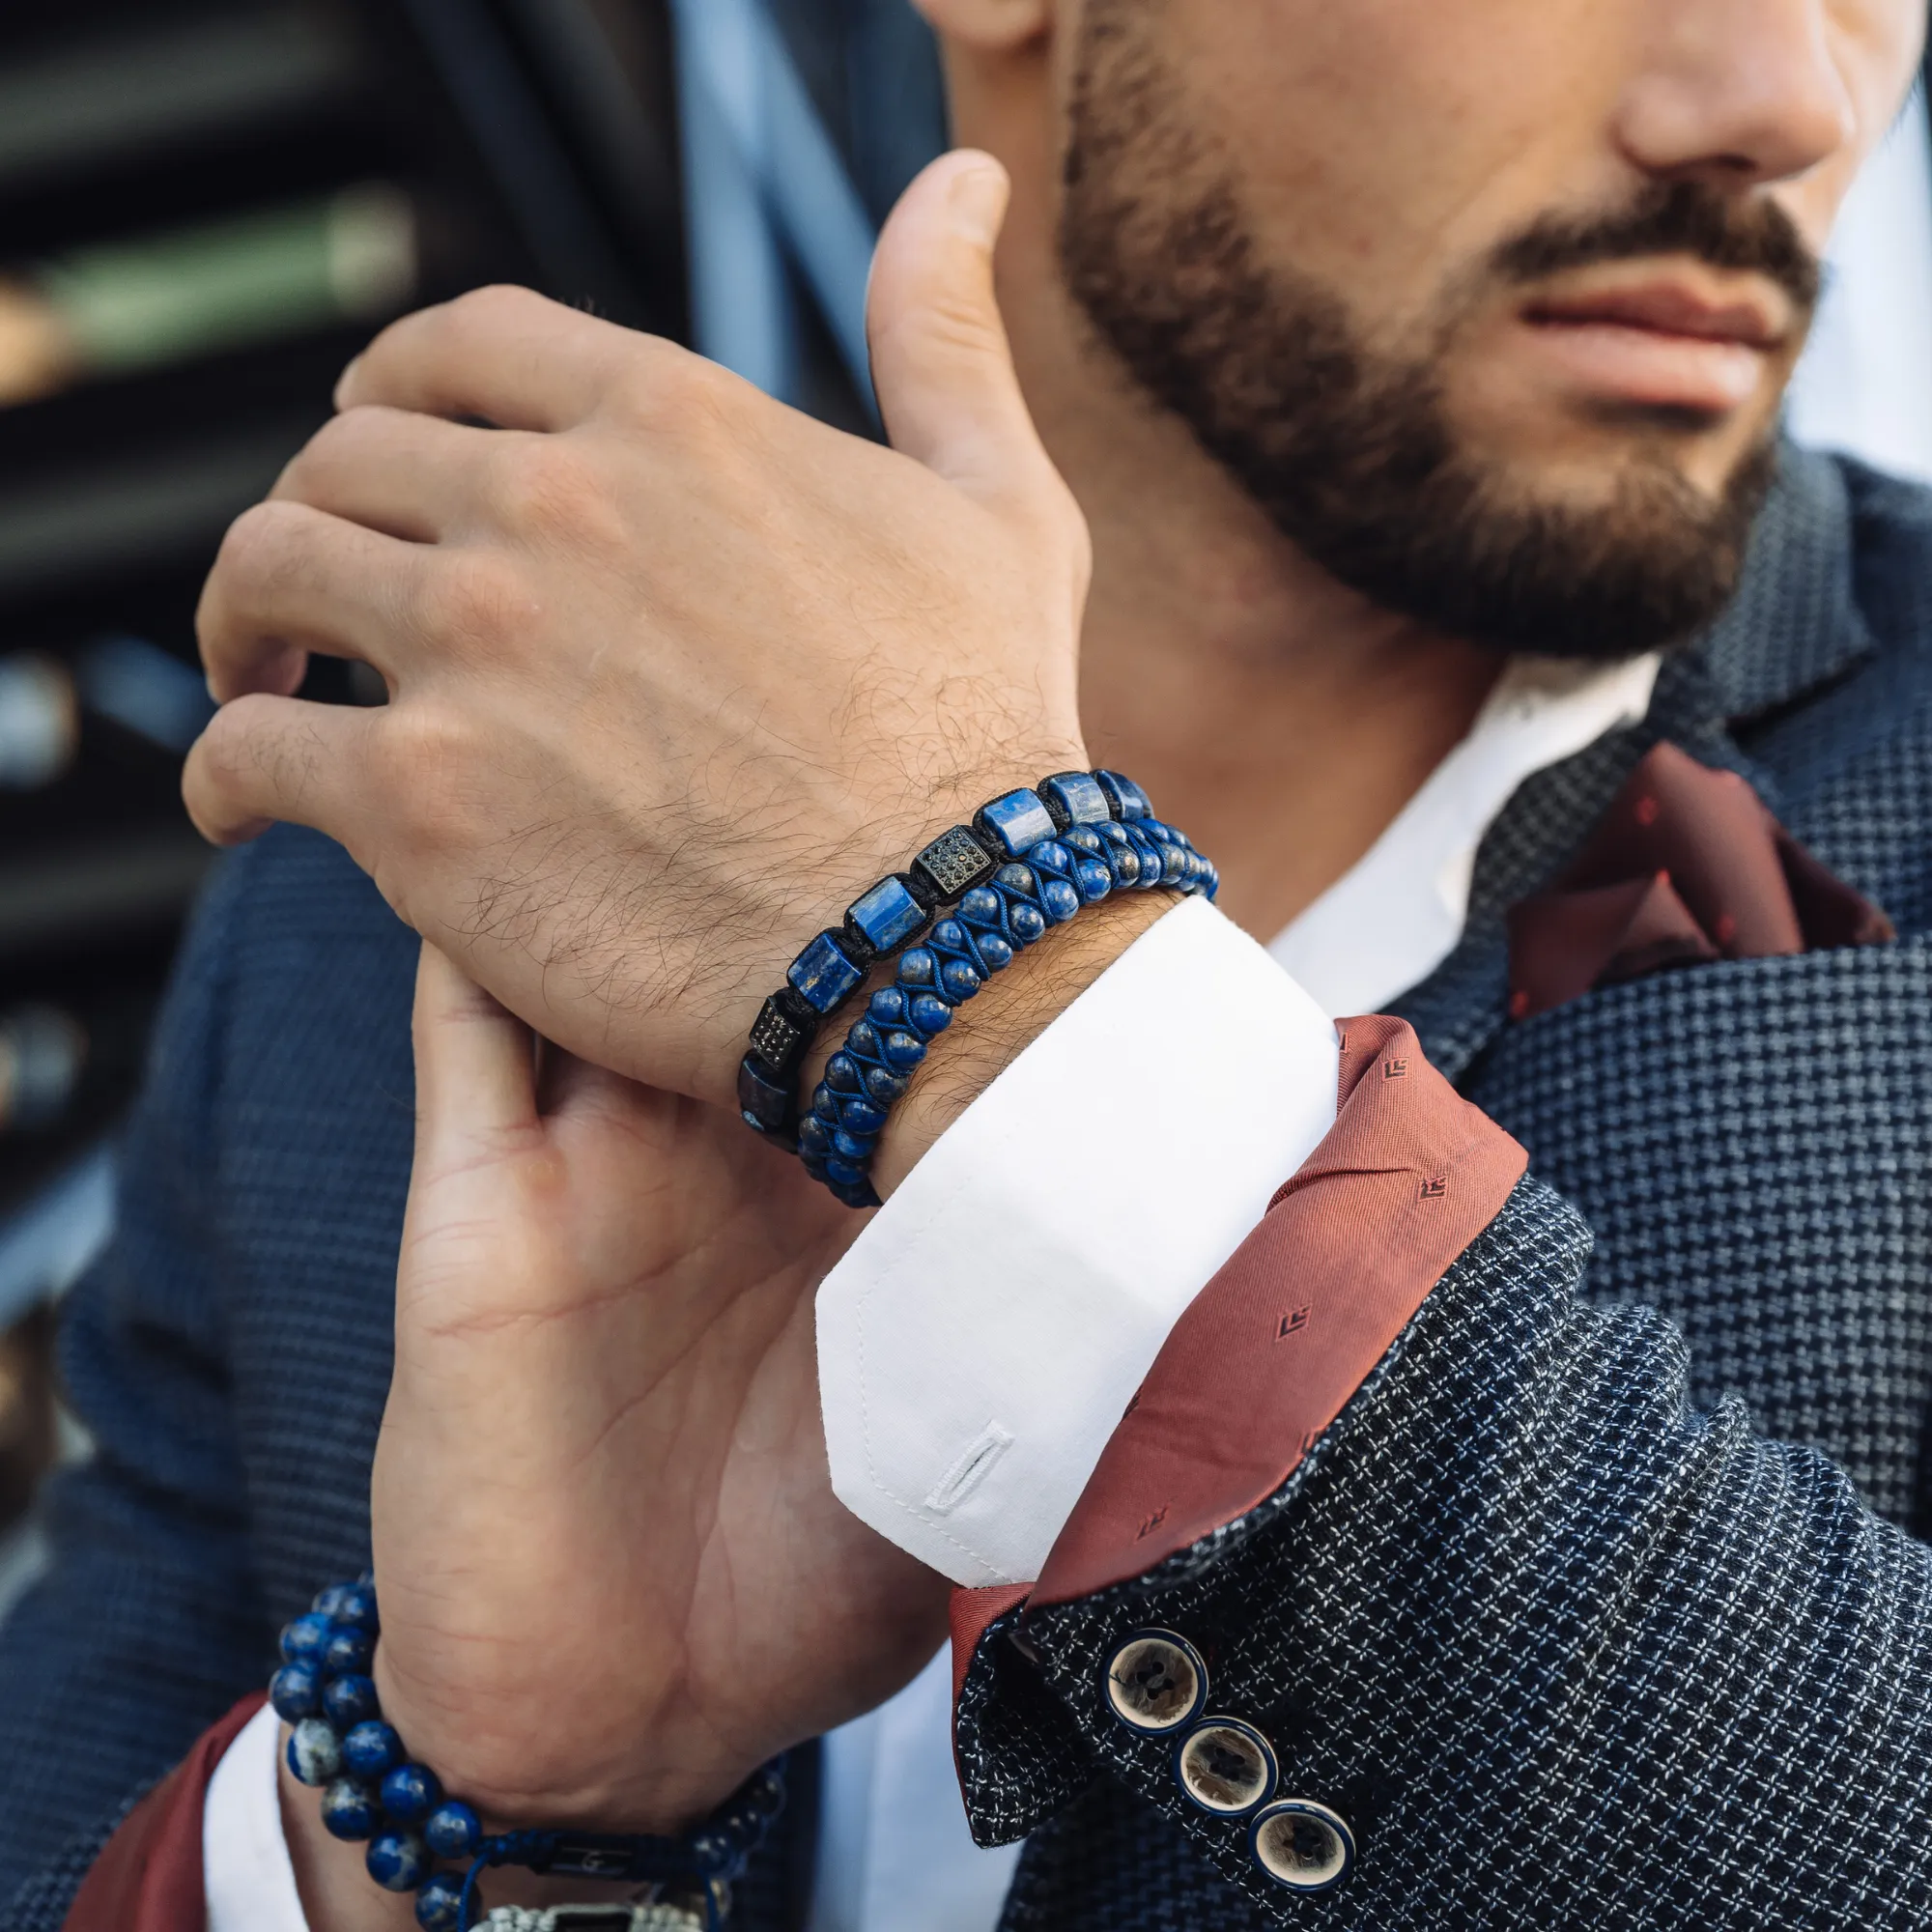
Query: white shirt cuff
x,y
980,1341
247,1874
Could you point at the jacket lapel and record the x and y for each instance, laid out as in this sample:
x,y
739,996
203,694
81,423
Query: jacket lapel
x,y
1793,626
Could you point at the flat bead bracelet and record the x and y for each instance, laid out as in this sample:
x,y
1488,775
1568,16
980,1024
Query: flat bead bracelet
x,y
371,1790
1024,899
891,915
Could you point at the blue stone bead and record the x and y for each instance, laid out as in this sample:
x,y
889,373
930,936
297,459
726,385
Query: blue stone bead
x,y
440,1904
902,1049
888,915
372,1749
958,980
397,1860
1026,923
1020,879
1050,855
888,1008
348,1701
863,1042
1094,879
349,1810
453,1829
863,1117
306,1638
995,951
844,1172
358,1609
349,1651
327,1602
1079,795
981,907
928,1015
919,967
950,936
841,1074
764,1098
1018,819
856,1148
712,1852
823,975
1124,798
1061,900
885,1087
410,1793
814,1136
315,1751
295,1692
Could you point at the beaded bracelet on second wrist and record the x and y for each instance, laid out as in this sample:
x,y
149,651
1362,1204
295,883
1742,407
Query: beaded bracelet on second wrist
x,y
1030,859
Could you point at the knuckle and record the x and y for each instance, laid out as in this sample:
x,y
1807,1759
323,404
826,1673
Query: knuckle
x,y
478,599
258,543
437,790
669,392
545,486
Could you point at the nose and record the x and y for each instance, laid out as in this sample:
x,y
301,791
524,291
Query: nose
x,y
1737,93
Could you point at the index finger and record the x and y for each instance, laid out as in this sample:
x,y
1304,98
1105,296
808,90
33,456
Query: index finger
x,y
507,355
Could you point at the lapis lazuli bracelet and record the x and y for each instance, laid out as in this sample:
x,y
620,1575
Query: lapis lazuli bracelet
x,y
371,1790
1029,861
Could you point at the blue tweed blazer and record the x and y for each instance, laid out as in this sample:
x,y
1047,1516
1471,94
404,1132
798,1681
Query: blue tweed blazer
x,y
1605,1604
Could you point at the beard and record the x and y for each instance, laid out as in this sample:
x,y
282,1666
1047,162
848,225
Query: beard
x,y
1349,449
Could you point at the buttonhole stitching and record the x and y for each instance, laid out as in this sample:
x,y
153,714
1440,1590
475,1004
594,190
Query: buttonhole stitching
x,y
970,1468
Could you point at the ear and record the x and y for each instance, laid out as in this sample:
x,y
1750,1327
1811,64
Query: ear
x,y
988,26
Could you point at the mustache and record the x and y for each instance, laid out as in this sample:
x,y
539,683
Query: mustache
x,y
1674,218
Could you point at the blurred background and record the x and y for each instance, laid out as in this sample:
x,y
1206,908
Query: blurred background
x,y
206,208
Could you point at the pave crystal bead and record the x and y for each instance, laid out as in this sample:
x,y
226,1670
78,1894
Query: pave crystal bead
x,y
888,916
372,1749
350,1812
1079,796
823,975
410,1793
780,1037
348,1701
1013,822
315,1751
397,1860
952,862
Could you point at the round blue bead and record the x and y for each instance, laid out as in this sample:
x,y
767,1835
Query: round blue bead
x,y
440,1904
1082,838
867,1117
453,1829
995,951
824,1102
348,1653
813,1135
887,1007
765,1793
349,1810
902,1049
919,967
295,1692
1061,899
929,1014
327,1601
358,1609
315,1751
348,1701
1017,878
1027,923
842,1073
950,936
1051,856
371,1748
397,1860
981,907
1094,880
305,1639
854,1148
844,1172
885,1087
862,1042
959,981
410,1793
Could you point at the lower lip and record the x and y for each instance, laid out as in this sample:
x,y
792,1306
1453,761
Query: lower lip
x,y
1650,369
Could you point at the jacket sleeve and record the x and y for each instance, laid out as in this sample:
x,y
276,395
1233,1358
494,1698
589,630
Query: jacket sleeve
x,y
1559,1650
147,1623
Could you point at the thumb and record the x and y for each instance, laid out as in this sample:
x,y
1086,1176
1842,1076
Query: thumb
x,y
941,364
475,1064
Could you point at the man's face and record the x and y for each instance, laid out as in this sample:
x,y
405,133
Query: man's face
x,y
1491,303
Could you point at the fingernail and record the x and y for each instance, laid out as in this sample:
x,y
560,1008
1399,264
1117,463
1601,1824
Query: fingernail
x,y
978,202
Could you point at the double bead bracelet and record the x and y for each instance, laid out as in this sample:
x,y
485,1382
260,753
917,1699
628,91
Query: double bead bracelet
x,y
372,1790
1029,861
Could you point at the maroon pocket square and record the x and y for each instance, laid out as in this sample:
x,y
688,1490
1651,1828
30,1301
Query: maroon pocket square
x,y
1687,867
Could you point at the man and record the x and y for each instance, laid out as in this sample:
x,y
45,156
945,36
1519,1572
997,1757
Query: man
x,y
1387,349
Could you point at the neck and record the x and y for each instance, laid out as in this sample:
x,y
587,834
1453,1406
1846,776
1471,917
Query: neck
x,y
1279,717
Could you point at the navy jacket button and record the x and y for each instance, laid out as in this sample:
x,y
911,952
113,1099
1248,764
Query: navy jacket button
x,y
1225,1766
1302,1844
1155,1682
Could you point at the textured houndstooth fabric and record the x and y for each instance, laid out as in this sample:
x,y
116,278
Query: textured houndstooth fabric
x,y
1572,1614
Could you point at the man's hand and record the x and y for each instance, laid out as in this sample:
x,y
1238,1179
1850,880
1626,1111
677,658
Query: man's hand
x,y
614,1578
674,671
